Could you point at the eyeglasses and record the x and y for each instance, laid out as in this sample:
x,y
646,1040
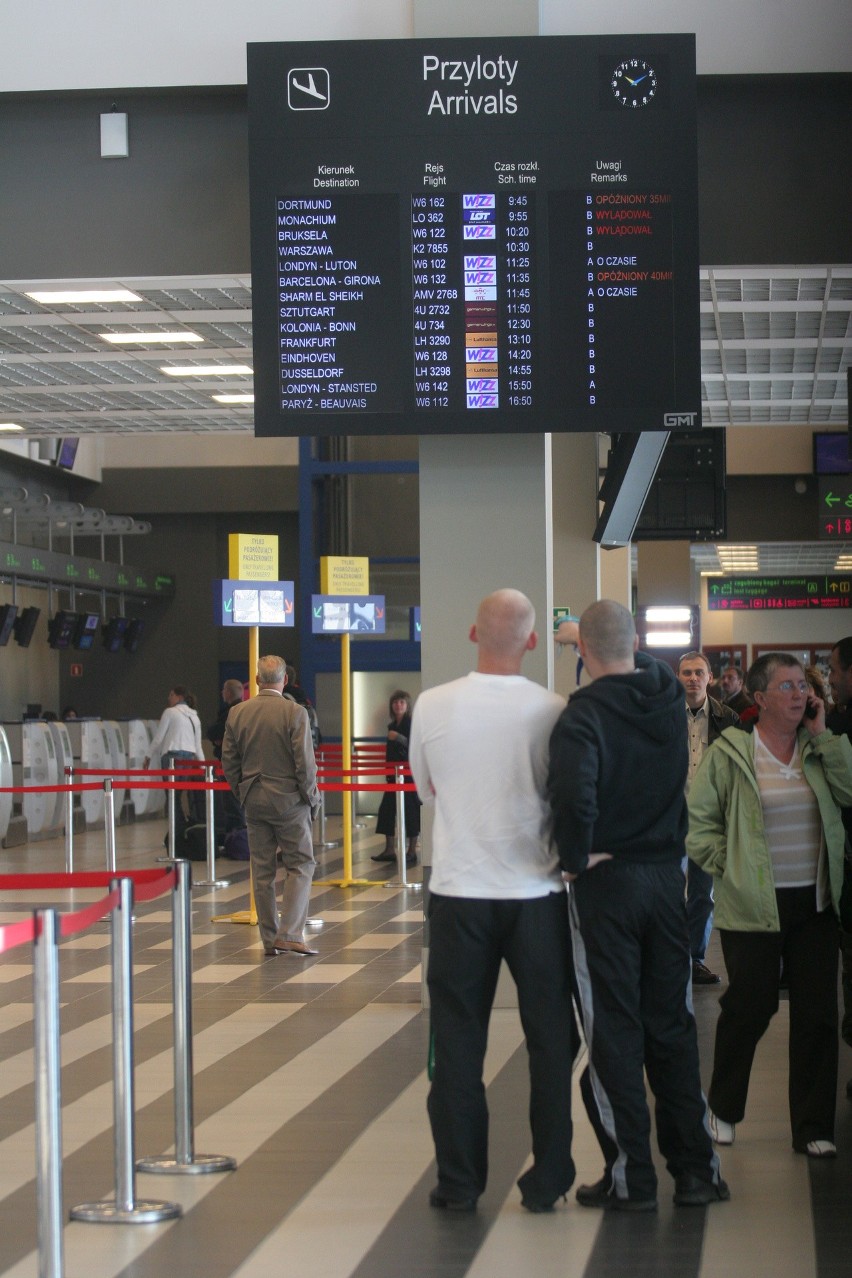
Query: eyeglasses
x,y
787,685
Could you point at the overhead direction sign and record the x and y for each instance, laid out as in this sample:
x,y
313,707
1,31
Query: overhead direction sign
x,y
766,594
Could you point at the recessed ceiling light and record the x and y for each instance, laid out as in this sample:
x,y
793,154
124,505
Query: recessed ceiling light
x,y
136,339
10,426
79,296
208,370
234,399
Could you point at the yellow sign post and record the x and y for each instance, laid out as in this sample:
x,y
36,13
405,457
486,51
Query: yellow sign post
x,y
345,576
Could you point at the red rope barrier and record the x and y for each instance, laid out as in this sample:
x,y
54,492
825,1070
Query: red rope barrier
x,y
14,934
84,879
345,785
79,920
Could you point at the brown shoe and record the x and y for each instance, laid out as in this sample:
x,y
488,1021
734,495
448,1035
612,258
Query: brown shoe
x,y
289,947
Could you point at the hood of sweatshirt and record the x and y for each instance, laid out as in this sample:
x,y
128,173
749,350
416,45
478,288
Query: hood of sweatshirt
x,y
650,698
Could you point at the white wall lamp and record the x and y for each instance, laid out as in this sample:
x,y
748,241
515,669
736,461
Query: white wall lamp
x,y
114,137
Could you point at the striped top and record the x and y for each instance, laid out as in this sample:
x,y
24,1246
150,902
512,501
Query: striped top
x,y
790,817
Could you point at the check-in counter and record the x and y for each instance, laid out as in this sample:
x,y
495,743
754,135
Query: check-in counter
x,y
136,734
35,763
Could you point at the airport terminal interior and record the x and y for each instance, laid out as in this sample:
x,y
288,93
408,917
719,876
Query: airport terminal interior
x,y
128,463
313,1075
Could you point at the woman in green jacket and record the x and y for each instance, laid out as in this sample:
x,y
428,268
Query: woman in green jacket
x,y
764,820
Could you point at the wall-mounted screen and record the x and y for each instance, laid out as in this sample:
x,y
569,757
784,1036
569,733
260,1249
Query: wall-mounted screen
x,y
60,629
24,626
496,234
86,629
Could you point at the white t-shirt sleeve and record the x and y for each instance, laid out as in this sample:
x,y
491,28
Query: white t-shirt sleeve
x,y
417,760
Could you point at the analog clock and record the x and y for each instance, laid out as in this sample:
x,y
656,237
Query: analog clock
x,y
634,83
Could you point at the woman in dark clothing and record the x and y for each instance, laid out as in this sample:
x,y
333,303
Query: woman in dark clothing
x,y
396,751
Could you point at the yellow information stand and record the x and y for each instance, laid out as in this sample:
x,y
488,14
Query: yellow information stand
x,y
346,732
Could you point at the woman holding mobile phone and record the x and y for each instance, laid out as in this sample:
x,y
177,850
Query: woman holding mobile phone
x,y
764,820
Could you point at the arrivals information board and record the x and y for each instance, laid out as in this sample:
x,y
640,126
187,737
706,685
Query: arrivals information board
x,y
474,235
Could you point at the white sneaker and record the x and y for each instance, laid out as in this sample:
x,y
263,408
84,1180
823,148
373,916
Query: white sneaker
x,y
821,1149
722,1132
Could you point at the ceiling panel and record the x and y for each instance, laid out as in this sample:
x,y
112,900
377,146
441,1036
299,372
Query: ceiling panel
x,y
775,346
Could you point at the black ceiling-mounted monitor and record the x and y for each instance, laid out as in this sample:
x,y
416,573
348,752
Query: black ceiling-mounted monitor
x,y
8,613
459,235
24,626
67,452
632,465
133,633
61,628
831,453
113,634
85,630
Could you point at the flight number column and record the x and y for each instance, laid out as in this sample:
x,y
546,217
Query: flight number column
x,y
435,302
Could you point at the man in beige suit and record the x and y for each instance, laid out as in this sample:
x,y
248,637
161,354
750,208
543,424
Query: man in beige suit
x,y
268,759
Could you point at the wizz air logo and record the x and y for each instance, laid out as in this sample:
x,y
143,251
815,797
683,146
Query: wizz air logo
x,y
482,385
482,263
479,201
481,354
480,277
483,401
480,233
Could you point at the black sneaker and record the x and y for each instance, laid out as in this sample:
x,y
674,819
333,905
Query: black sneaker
x,y
701,975
596,1195
691,1191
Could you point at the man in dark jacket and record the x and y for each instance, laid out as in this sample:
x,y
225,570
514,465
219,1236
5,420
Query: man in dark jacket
x,y
706,719
618,768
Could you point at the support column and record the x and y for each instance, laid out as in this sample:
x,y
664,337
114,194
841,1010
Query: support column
x,y
664,573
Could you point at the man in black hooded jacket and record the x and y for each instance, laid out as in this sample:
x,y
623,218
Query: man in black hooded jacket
x,y
618,765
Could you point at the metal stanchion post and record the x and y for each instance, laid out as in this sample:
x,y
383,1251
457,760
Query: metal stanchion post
x,y
47,1096
400,778
185,1159
211,880
69,822
324,842
171,802
124,1209
109,824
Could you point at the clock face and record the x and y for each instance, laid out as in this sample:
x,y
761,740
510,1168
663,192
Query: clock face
x,y
634,83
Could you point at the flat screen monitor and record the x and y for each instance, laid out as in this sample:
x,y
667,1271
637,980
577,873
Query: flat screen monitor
x,y
133,633
8,613
60,629
24,626
67,454
831,453
113,634
85,630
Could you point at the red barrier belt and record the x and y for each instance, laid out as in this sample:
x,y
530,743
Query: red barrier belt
x,y
326,786
83,879
79,920
13,934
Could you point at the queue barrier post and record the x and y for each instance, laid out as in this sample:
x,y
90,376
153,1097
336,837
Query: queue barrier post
x,y
69,821
171,808
124,1209
109,824
400,779
211,881
48,1104
185,1159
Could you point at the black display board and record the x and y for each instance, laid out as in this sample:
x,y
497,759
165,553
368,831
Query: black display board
x,y
474,235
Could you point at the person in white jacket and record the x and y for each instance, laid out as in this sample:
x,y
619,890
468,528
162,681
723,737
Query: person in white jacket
x,y
178,736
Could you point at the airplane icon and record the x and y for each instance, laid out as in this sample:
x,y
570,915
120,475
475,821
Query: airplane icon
x,y
308,89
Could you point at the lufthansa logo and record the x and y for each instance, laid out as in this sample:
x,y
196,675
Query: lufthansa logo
x,y
673,420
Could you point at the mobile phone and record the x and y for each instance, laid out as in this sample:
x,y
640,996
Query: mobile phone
x,y
811,711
